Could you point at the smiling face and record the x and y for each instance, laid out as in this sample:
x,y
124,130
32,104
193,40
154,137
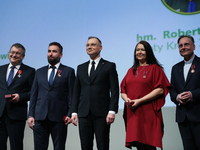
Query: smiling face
x,y
16,55
93,48
186,48
140,54
54,55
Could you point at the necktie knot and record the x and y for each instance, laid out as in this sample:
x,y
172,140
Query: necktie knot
x,y
93,62
53,67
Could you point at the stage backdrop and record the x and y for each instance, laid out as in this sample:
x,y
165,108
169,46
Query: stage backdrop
x,y
119,24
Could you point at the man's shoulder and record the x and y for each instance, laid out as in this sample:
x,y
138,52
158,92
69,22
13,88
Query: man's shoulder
x,y
66,67
107,62
2,66
27,67
178,64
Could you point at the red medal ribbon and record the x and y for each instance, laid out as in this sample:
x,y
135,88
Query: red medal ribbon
x,y
19,72
193,66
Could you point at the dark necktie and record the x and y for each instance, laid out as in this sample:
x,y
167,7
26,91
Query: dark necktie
x,y
92,71
10,76
51,75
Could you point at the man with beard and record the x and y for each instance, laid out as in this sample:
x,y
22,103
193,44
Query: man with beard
x,y
185,93
50,102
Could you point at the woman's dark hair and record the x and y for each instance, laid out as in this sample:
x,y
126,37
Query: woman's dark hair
x,y
151,59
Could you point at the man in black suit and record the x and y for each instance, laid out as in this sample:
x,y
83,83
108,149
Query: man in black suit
x,y
50,103
95,97
15,83
185,93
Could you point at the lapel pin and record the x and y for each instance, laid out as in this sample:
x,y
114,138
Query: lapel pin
x,y
193,71
19,73
59,73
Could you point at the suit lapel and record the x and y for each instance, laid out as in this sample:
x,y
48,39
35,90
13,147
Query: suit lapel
x,y
195,63
181,73
4,70
56,78
17,74
99,67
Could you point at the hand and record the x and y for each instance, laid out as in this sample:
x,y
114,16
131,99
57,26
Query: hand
x,y
31,122
67,120
74,119
110,118
15,98
135,103
184,97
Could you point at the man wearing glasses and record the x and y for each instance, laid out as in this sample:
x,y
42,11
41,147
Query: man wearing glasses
x,y
15,85
185,93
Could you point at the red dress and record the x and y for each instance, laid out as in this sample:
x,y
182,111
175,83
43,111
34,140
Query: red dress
x,y
144,124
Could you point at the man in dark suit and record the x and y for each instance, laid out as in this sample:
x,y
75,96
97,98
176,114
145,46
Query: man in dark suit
x,y
95,97
50,103
185,93
15,82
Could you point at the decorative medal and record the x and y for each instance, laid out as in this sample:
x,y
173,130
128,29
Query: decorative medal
x,y
145,74
59,73
19,73
193,71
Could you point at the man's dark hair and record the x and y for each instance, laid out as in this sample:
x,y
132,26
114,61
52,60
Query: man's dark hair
x,y
91,37
188,36
57,44
18,45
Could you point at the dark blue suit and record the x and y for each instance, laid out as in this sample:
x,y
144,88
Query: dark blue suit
x,y
14,114
189,112
48,105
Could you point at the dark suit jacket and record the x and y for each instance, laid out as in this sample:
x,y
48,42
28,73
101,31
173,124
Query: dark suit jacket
x,y
192,84
99,95
22,86
54,101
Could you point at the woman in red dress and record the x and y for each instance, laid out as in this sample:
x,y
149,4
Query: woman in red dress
x,y
144,89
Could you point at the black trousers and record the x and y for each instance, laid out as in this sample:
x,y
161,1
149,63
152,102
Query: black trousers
x,y
14,129
90,126
190,134
42,130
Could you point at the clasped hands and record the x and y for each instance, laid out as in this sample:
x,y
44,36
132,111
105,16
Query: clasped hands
x,y
184,97
133,104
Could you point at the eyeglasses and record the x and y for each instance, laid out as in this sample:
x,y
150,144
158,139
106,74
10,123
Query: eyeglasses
x,y
93,45
185,45
16,53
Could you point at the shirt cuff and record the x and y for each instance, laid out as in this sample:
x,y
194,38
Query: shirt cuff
x,y
74,114
112,112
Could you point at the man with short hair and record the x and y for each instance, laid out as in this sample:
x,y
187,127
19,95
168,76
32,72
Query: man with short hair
x,y
50,103
95,97
15,84
185,93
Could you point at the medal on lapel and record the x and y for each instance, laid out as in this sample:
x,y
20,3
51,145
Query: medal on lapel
x,y
59,73
19,73
193,71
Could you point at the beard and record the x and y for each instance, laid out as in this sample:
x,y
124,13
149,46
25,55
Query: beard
x,y
53,61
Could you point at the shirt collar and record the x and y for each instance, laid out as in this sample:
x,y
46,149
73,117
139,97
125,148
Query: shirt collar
x,y
189,61
96,60
17,67
57,65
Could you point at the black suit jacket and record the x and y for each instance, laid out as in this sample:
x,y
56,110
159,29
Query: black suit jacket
x,y
99,95
53,101
192,84
22,86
